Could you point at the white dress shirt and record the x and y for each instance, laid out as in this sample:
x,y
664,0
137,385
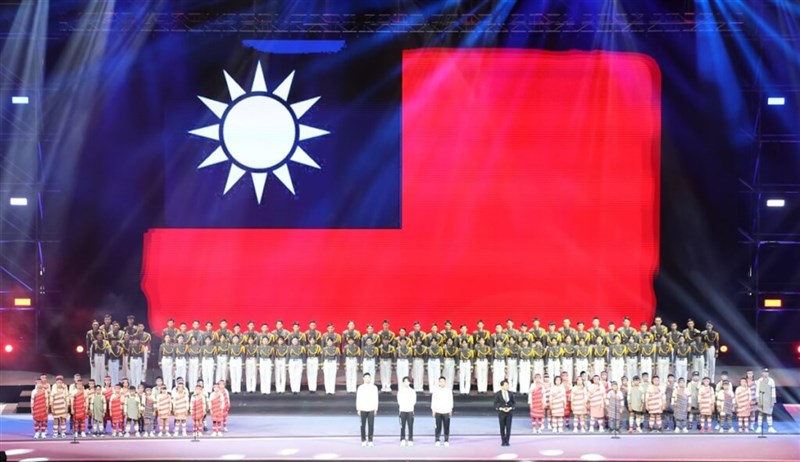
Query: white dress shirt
x,y
367,397
442,400
406,399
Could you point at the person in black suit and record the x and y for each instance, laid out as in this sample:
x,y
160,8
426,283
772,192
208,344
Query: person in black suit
x,y
504,404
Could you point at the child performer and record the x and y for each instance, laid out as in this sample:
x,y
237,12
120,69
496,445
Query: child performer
x,y
180,408
558,401
39,403
59,405
227,409
108,391
743,407
116,408
141,396
579,398
198,408
635,406
654,400
149,412
163,411
597,404
725,403
615,403
681,399
705,401
132,412
536,402
97,406
217,404
79,405
548,385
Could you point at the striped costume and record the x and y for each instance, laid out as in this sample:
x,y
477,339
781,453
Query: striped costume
x,y
705,400
680,406
743,401
597,403
79,411
217,411
117,411
39,399
180,405
655,400
615,404
536,400
163,410
579,399
59,402
558,401
198,407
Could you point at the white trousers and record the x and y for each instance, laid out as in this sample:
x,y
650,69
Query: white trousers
x,y
464,376
136,371
236,374
312,369
180,371
350,374
208,374
646,365
386,374
222,368
553,369
265,375
194,371
498,374
482,375
524,376
538,368
113,370
295,374
449,372
280,375
99,369
617,370
250,374
662,365
582,365
711,362
368,365
699,365
434,372
513,374
632,368
401,370
418,372
681,368
567,366
329,376
167,369
599,366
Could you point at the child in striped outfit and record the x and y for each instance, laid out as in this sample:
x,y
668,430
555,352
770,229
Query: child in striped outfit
x,y
180,408
79,405
743,405
615,403
149,412
654,400
536,402
725,403
681,399
579,398
59,406
163,411
116,406
198,408
558,401
705,402
39,403
217,404
597,404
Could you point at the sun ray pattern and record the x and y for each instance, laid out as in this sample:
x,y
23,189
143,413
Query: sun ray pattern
x,y
259,133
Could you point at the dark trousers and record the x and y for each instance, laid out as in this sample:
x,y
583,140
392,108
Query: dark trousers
x,y
407,419
367,420
442,420
505,426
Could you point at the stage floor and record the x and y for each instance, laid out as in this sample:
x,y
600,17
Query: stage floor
x,y
473,438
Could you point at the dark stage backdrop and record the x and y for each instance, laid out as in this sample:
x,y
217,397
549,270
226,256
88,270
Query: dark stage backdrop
x,y
453,178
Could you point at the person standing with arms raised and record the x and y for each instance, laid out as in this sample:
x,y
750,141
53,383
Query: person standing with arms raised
x,y
504,404
442,409
366,408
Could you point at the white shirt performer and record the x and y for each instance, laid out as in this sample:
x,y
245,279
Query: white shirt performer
x,y
366,408
442,409
406,399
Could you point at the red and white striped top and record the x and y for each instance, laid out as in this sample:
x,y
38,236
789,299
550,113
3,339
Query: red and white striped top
x,y
79,405
743,404
39,400
558,401
579,398
59,401
117,408
654,400
180,405
198,407
164,405
597,401
705,400
217,405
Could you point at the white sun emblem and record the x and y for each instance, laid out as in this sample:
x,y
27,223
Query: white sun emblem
x,y
259,132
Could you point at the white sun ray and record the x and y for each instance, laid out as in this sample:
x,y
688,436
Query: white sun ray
x,y
259,84
233,88
233,176
302,157
300,108
211,132
215,106
282,91
283,174
214,158
259,180
307,132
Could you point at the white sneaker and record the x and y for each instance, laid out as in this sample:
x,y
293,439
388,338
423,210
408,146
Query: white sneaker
x,y
370,444
685,430
161,435
411,443
83,434
575,430
447,444
363,444
533,430
716,427
677,430
730,430
403,443
771,430
138,435
36,436
437,444
127,435
183,433
591,430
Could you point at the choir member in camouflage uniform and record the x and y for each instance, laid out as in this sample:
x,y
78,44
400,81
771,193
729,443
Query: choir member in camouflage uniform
x,y
482,354
386,354
435,354
352,353
512,361
404,355
297,353
265,354
525,355
313,355
193,353
250,363
166,360
208,357
499,354
710,339
330,360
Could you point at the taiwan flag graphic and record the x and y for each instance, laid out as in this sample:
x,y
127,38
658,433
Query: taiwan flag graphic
x,y
464,184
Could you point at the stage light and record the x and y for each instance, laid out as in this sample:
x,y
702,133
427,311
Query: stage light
x,y
723,349
8,348
797,349
18,201
775,202
20,100
773,303
22,302
776,101
79,349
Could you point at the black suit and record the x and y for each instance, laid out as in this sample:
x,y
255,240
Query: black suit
x,y
504,417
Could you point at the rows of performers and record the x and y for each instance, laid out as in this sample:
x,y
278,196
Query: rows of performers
x,y
258,359
122,410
